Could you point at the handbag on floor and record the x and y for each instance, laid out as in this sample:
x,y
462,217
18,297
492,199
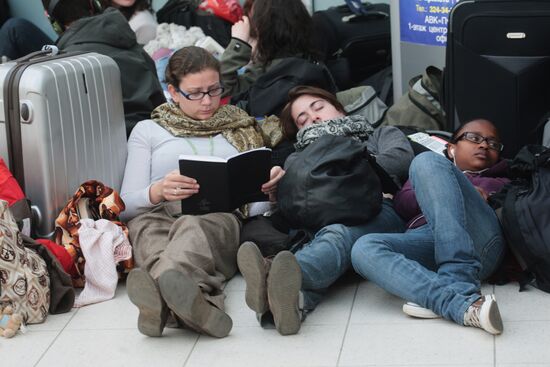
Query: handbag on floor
x,y
23,273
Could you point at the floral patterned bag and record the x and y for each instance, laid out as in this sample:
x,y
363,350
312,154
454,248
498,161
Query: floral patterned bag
x,y
24,278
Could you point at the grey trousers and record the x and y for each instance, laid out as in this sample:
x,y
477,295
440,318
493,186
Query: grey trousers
x,y
203,247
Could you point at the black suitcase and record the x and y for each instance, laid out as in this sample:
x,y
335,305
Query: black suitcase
x,y
498,67
354,46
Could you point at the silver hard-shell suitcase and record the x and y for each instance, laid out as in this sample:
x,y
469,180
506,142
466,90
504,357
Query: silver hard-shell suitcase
x,y
61,123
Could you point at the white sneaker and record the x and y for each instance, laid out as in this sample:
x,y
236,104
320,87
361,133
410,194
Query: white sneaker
x,y
485,315
415,310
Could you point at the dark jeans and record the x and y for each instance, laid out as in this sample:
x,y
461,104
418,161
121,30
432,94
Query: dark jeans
x,y
19,37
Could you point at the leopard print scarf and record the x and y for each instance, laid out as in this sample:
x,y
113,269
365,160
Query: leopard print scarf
x,y
354,126
240,129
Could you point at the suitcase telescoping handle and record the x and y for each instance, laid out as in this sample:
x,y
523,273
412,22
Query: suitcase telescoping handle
x,y
47,50
12,109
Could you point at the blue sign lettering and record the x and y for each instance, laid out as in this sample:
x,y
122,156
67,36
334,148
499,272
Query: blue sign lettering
x,y
425,21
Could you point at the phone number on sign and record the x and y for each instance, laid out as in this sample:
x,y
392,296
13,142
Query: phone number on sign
x,y
440,9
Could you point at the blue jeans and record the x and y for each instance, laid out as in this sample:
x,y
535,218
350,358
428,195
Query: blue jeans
x,y
19,37
439,265
328,255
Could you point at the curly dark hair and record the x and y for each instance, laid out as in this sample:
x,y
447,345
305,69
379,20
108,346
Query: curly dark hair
x,y
283,28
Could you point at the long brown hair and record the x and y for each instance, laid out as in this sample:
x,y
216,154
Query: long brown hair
x,y
287,122
283,28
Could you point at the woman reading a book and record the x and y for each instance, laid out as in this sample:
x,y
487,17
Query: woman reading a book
x,y
183,260
298,281
453,239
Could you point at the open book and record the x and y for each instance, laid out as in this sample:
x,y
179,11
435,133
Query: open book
x,y
225,184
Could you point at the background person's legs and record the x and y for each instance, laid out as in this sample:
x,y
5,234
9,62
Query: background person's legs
x,y
19,37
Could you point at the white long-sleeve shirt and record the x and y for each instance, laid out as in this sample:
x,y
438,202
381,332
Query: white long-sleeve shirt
x,y
152,153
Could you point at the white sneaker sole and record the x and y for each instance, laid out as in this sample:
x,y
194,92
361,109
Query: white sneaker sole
x,y
415,310
489,316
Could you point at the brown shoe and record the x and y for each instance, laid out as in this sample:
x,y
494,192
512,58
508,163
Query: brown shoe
x,y
283,292
185,299
254,270
144,292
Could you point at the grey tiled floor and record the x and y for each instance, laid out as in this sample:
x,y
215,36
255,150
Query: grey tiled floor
x,y
358,324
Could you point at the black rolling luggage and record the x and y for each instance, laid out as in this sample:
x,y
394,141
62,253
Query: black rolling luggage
x,y
355,46
498,67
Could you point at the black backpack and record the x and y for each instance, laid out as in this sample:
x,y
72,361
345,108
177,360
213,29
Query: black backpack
x,y
186,13
333,180
269,94
523,206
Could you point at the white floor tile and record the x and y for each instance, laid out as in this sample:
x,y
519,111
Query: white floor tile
x,y
314,346
335,307
418,344
235,284
375,305
532,304
54,322
235,306
25,349
379,334
116,313
524,342
119,348
487,288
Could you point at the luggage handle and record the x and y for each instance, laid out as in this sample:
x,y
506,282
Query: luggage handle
x,y
359,17
47,50
36,219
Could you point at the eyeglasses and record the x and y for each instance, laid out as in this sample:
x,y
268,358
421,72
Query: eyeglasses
x,y
478,139
195,96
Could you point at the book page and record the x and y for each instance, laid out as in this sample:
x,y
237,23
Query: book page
x,y
210,158
202,158
247,152
247,172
